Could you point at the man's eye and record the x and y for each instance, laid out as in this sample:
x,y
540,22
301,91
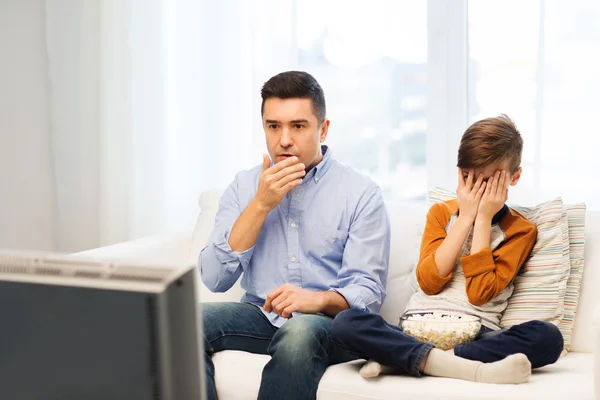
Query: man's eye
x,y
298,126
272,126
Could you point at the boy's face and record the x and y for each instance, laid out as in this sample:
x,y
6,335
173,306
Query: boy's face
x,y
489,171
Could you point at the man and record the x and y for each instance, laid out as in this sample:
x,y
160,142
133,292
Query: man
x,y
310,238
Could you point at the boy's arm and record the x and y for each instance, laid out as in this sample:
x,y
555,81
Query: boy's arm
x,y
489,272
439,251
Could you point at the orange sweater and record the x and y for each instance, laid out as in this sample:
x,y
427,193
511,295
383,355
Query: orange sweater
x,y
485,278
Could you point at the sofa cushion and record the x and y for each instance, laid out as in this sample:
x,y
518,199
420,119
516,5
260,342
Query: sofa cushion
x,y
576,223
407,221
238,377
541,284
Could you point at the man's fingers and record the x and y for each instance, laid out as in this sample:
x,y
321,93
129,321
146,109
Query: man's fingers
x,y
292,177
276,303
292,169
291,185
270,297
266,162
282,306
287,312
283,164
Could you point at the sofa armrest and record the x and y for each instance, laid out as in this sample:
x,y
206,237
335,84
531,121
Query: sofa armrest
x,y
168,248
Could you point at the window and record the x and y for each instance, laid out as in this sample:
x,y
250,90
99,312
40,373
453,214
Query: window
x,y
537,62
371,60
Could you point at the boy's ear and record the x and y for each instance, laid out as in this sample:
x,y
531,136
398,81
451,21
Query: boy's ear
x,y
516,176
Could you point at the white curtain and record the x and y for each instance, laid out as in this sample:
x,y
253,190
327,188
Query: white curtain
x,y
152,102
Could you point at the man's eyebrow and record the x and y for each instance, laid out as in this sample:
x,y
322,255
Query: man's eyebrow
x,y
299,121
272,121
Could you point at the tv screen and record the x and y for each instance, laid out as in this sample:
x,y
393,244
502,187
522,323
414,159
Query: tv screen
x,y
79,329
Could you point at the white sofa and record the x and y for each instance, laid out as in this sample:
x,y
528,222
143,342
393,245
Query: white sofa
x,y
574,376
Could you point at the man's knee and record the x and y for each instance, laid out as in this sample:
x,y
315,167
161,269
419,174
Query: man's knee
x,y
301,333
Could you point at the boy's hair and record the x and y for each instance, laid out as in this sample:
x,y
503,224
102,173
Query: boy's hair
x,y
491,140
295,84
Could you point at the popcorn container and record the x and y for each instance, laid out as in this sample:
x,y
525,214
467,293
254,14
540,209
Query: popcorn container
x,y
444,331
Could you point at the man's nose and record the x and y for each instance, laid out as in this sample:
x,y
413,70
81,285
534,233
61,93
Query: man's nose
x,y
286,138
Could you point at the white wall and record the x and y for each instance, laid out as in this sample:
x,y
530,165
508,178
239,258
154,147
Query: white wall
x,y
26,169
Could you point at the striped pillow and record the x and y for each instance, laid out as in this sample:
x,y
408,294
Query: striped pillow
x,y
541,285
576,221
540,288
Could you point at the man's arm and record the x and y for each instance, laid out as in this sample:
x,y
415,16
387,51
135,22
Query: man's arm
x,y
365,262
231,244
363,275
221,266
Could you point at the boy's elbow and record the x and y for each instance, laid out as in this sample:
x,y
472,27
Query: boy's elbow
x,y
426,287
478,298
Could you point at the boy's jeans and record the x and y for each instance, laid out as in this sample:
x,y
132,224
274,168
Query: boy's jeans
x,y
368,336
300,350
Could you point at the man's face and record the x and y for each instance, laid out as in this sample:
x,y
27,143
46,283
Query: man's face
x,y
291,129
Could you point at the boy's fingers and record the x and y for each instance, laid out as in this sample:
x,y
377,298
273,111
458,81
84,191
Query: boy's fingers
x,y
477,183
461,178
469,183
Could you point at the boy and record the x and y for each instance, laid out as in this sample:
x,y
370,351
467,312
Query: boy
x,y
471,250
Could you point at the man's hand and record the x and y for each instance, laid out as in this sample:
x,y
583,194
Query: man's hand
x,y
276,181
288,298
469,195
494,197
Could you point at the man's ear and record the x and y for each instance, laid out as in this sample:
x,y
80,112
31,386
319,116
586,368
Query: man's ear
x,y
516,176
324,130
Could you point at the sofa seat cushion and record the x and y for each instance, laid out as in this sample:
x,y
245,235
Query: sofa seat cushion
x,y
238,376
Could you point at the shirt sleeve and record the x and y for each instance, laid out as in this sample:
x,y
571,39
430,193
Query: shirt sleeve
x,y
489,272
365,261
220,266
428,277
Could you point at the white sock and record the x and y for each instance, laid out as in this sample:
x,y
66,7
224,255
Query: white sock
x,y
513,369
372,369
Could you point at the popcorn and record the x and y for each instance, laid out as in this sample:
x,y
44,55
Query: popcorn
x,y
444,331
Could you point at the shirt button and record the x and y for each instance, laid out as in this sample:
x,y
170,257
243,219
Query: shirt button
x,y
293,259
316,179
293,225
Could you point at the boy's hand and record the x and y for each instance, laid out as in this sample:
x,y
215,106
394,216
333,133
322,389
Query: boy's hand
x,y
469,195
494,197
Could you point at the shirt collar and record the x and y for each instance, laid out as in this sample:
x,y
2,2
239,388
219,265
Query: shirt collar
x,y
500,214
323,166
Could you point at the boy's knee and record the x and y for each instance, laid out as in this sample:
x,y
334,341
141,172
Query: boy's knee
x,y
343,328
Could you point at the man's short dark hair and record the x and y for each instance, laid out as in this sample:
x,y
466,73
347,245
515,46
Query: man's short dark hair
x,y
292,85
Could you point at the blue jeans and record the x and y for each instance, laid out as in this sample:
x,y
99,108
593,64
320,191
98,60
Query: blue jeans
x,y
300,350
368,336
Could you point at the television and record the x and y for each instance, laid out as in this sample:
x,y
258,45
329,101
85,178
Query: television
x,y
73,328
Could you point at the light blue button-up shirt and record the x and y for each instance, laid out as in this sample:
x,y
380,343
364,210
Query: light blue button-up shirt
x,y
332,232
